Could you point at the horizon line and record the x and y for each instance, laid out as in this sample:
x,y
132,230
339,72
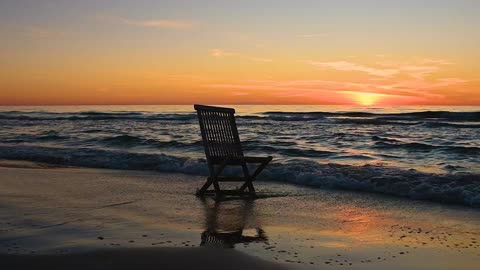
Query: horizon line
x,y
243,104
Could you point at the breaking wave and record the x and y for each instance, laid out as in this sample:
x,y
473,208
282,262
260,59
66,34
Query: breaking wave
x,y
460,188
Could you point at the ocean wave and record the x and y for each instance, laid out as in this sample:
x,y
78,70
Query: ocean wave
x,y
322,114
460,188
459,116
139,116
410,118
447,188
45,136
381,142
384,139
109,113
99,158
281,118
452,125
133,141
123,140
375,121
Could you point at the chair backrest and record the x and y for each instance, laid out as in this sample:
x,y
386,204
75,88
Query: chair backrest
x,y
219,132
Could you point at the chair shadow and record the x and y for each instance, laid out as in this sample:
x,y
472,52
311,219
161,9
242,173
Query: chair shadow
x,y
227,221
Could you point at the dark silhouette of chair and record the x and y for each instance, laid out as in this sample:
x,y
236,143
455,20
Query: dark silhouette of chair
x,y
224,229
223,148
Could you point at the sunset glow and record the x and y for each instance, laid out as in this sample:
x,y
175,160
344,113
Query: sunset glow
x,y
268,52
366,99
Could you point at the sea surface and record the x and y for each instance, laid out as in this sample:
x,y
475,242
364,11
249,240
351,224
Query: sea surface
x,y
428,153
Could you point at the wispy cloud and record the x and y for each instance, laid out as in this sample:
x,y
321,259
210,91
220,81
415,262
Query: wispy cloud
x,y
313,35
173,24
412,89
349,66
223,53
418,72
393,82
419,69
153,23
435,61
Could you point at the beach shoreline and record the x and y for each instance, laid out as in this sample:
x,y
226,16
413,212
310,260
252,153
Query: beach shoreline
x,y
51,211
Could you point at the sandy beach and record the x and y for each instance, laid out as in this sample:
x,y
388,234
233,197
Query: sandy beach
x,y
79,218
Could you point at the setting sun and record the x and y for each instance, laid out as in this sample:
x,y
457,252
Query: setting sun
x,y
366,99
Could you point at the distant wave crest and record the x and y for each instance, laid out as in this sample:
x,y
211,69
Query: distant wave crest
x,y
433,118
48,116
452,116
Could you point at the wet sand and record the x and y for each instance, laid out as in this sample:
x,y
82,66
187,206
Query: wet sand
x,y
59,216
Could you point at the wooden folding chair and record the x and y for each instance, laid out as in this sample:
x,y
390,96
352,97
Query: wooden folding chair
x,y
223,148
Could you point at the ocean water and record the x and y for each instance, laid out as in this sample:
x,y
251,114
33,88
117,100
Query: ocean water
x,y
428,153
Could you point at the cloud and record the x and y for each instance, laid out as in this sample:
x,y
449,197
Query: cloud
x,y
417,70
313,35
392,82
306,91
223,53
171,24
414,89
157,23
348,66
435,61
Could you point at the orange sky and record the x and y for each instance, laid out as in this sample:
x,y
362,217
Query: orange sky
x,y
273,52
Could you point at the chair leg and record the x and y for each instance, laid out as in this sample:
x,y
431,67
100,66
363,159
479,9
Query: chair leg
x,y
249,182
216,186
205,186
212,180
251,189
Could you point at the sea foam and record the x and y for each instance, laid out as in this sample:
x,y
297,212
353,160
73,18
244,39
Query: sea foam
x,y
459,188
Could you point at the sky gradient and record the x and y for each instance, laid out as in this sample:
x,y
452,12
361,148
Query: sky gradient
x,y
239,52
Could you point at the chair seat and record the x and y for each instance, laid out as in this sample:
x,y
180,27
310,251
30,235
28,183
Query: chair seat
x,y
230,179
232,160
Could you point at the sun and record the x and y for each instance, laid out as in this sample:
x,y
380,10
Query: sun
x,y
366,99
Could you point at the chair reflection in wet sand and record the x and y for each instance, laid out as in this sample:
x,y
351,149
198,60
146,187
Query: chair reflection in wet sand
x,y
226,223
